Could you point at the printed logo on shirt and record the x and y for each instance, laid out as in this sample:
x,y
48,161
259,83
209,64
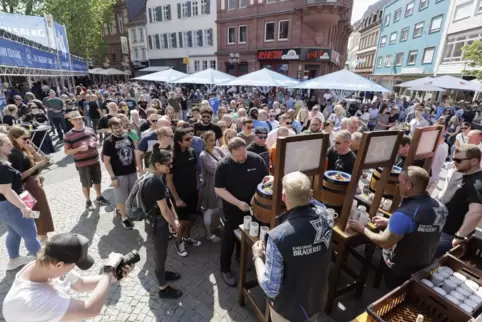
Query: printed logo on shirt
x,y
249,170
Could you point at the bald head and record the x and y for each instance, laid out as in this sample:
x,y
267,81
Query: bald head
x,y
163,122
474,137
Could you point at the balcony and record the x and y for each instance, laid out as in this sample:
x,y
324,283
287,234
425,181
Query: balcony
x,y
331,12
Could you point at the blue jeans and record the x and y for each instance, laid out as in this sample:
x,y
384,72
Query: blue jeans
x,y
184,115
18,228
444,245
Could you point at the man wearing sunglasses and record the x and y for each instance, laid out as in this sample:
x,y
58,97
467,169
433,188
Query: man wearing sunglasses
x,y
205,123
284,121
258,146
247,133
340,156
462,196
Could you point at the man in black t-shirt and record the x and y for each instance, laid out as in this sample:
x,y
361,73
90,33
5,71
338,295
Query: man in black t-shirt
x,y
258,146
183,183
94,111
205,124
236,180
462,196
103,126
339,156
120,162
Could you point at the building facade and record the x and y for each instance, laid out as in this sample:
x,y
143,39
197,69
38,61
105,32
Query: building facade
x,y
182,35
369,33
410,37
352,46
115,36
464,26
300,38
136,29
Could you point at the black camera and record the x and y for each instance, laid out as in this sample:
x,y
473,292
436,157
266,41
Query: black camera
x,y
129,259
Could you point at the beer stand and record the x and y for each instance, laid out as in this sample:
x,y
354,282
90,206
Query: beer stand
x,y
305,153
377,149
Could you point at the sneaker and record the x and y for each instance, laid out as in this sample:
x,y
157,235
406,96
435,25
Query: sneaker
x,y
214,238
171,276
89,206
181,249
127,224
102,201
18,262
170,293
191,241
228,278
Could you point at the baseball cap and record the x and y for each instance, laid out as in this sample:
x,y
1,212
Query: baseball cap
x,y
260,130
71,249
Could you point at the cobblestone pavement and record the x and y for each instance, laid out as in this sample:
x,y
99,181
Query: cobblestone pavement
x,y
206,297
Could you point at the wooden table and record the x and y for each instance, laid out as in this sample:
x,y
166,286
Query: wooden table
x,y
261,307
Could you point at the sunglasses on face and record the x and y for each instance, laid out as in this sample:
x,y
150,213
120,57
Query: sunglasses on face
x,y
288,123
272,115
262,137
169,165
457,160
206,116
153,121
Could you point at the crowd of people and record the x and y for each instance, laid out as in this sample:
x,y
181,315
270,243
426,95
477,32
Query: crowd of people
x,y
203,156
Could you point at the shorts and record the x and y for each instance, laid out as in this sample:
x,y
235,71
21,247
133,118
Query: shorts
x,y
90,174
191,209
126,183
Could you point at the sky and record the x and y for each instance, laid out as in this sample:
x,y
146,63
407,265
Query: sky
x,y
359,8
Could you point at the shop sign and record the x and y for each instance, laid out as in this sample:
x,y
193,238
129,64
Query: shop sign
x,y
316,54
279,54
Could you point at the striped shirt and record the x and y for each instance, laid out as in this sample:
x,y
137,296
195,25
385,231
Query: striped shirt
x,y
74,139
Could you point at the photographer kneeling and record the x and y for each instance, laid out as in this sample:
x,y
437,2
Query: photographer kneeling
x,y
41,290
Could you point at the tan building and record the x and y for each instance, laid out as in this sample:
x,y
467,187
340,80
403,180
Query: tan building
x,y
300,38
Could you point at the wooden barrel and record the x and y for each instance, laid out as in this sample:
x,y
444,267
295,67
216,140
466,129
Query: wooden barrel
x,y
333,191
391,186
263,205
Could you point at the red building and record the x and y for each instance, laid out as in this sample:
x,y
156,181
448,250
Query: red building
x,y
300,38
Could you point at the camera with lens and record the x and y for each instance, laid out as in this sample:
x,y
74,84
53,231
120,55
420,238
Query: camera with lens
x,y
129,259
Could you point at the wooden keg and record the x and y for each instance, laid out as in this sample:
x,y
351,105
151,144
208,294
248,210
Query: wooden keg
x,y
333,190
263,205
391,186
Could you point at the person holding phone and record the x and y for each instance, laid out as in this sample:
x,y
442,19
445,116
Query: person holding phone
x,y
25,159
14,213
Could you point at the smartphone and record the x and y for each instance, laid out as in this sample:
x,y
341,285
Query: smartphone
x,y
35,214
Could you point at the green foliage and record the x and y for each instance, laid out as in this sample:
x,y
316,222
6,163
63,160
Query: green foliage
x,y
473,54
26,7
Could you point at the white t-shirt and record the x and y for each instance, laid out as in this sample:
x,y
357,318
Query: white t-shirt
x,y
438,161
38,302
273,136
327,96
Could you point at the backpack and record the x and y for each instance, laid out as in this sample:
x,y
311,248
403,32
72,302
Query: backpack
x,y
135,208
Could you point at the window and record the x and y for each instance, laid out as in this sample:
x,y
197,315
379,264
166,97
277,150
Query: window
x,y
479,7
199,38
213,64
208,37
196,65
418,30
184,40
428,55
141,34
412,57
184,12
397,15
167,12
173,37
379,61
393,38
242,34
231,35
144,56
423,4
194,8
388,60
150,15
158,41
455,43
436,24
243,3
158,14
205,64
134,35
165,41
409,9
386,21
463,10
149,40
269,31
136,53
399,59
110,26
404,34
120,23
204,7
232,4
283,28
383,41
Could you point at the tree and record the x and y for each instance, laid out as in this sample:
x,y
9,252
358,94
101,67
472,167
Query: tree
x,y
84,20
26,7
473,54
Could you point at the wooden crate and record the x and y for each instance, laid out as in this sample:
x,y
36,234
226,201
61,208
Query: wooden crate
x,y
469,252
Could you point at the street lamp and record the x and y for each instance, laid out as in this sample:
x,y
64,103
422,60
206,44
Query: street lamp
x,y
234,60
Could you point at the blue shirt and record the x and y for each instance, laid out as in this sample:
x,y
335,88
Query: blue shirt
x,y
290,103
401,224
273,275
148,139
214,103
258,123
297,126
440,111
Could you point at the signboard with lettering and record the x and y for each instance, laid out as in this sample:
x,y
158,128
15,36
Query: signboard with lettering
x,y
279,54
316,54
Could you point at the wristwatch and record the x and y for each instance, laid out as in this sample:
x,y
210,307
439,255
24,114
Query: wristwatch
x,y
458,237
108,269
